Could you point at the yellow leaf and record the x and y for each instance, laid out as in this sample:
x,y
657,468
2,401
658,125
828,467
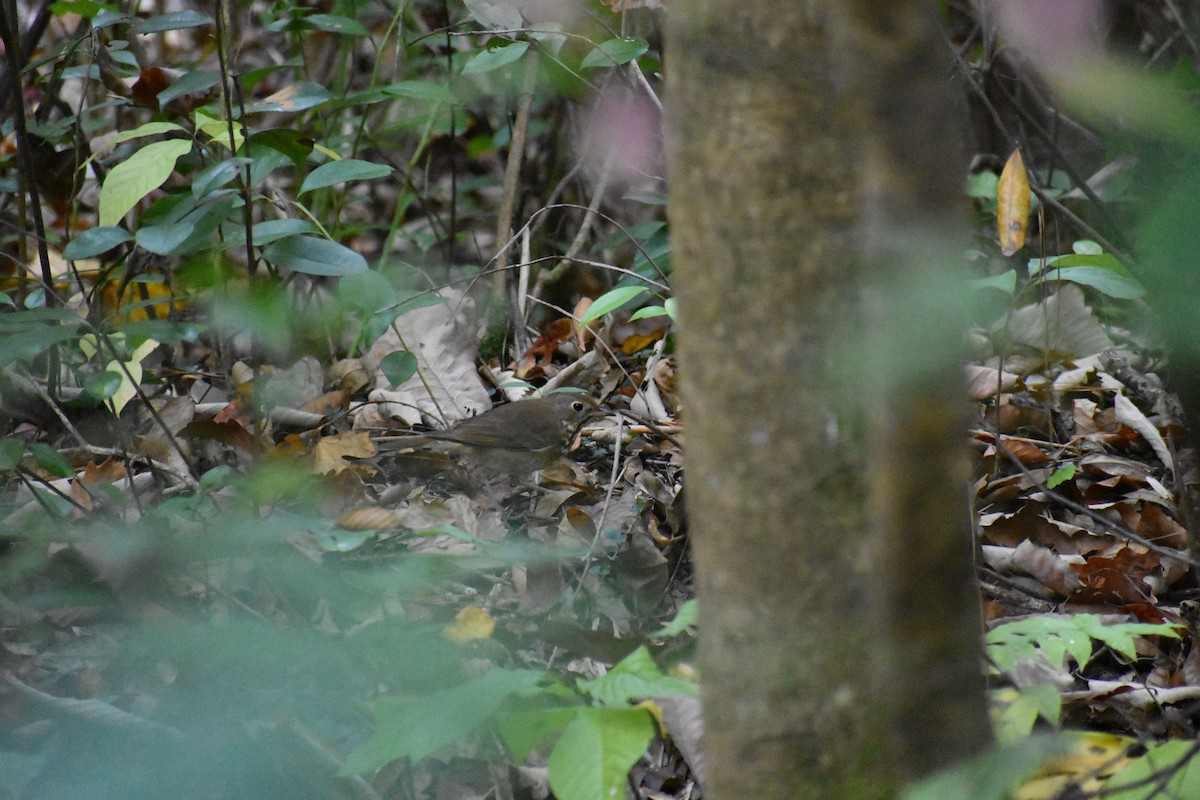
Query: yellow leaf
x,y
470,623
1012,204
330,452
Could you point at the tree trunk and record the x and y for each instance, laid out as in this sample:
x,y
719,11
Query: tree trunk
x,y
840,639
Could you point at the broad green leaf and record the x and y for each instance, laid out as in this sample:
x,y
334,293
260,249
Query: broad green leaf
x,y
414,727
137,176
495,56
647,312
1165,758
592,758
334,23
684,619
1060,475
1020,709
522,731
610,301
347,169
11,453
398,366
216,175
992,775
51,460
273,229
296,97
95,241
421,90
217,129
286,141
24,345
634,678
1101,279
103,385
196,80
84,8
313,256
163,239
148,129
173,22
614,52
1005,282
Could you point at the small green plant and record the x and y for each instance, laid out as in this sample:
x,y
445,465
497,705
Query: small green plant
x,y
597,732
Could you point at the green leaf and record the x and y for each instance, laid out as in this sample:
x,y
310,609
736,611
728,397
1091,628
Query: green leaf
x,y
272,230
414,727
1060,475
149,129
614,52
1005,282
992,775
1166,758
137,176
313,256
685,618
398,366
1018,715
173,22
647,312
164,239
84,8
286,141
596,751
610,301
103,385
634,678
51,460
421,90
216,175
496,56
95,241
11,453
337,24
1101,279
522,731
1055,637
299,96
197,80
348,169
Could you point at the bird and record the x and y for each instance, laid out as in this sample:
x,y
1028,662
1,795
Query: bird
x,y
515,438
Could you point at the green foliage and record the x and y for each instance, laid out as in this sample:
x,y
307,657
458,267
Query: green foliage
x,y
1057,636
992,775
1168,769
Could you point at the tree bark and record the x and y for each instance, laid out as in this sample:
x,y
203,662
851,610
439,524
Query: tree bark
x,y
839,643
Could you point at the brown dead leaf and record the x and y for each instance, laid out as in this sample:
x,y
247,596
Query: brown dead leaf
x,y
331,452
1117,579
110,470
1047,567
369,519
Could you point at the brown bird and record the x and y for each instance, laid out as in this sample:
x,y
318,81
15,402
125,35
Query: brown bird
x,y
514,438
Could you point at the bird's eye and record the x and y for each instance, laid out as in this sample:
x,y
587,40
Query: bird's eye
x,y
577,406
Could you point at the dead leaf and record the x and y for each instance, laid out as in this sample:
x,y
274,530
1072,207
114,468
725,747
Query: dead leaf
x,y
469,624
330,452
1012,204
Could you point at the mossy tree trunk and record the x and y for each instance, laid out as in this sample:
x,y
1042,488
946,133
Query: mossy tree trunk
x,y
812,166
